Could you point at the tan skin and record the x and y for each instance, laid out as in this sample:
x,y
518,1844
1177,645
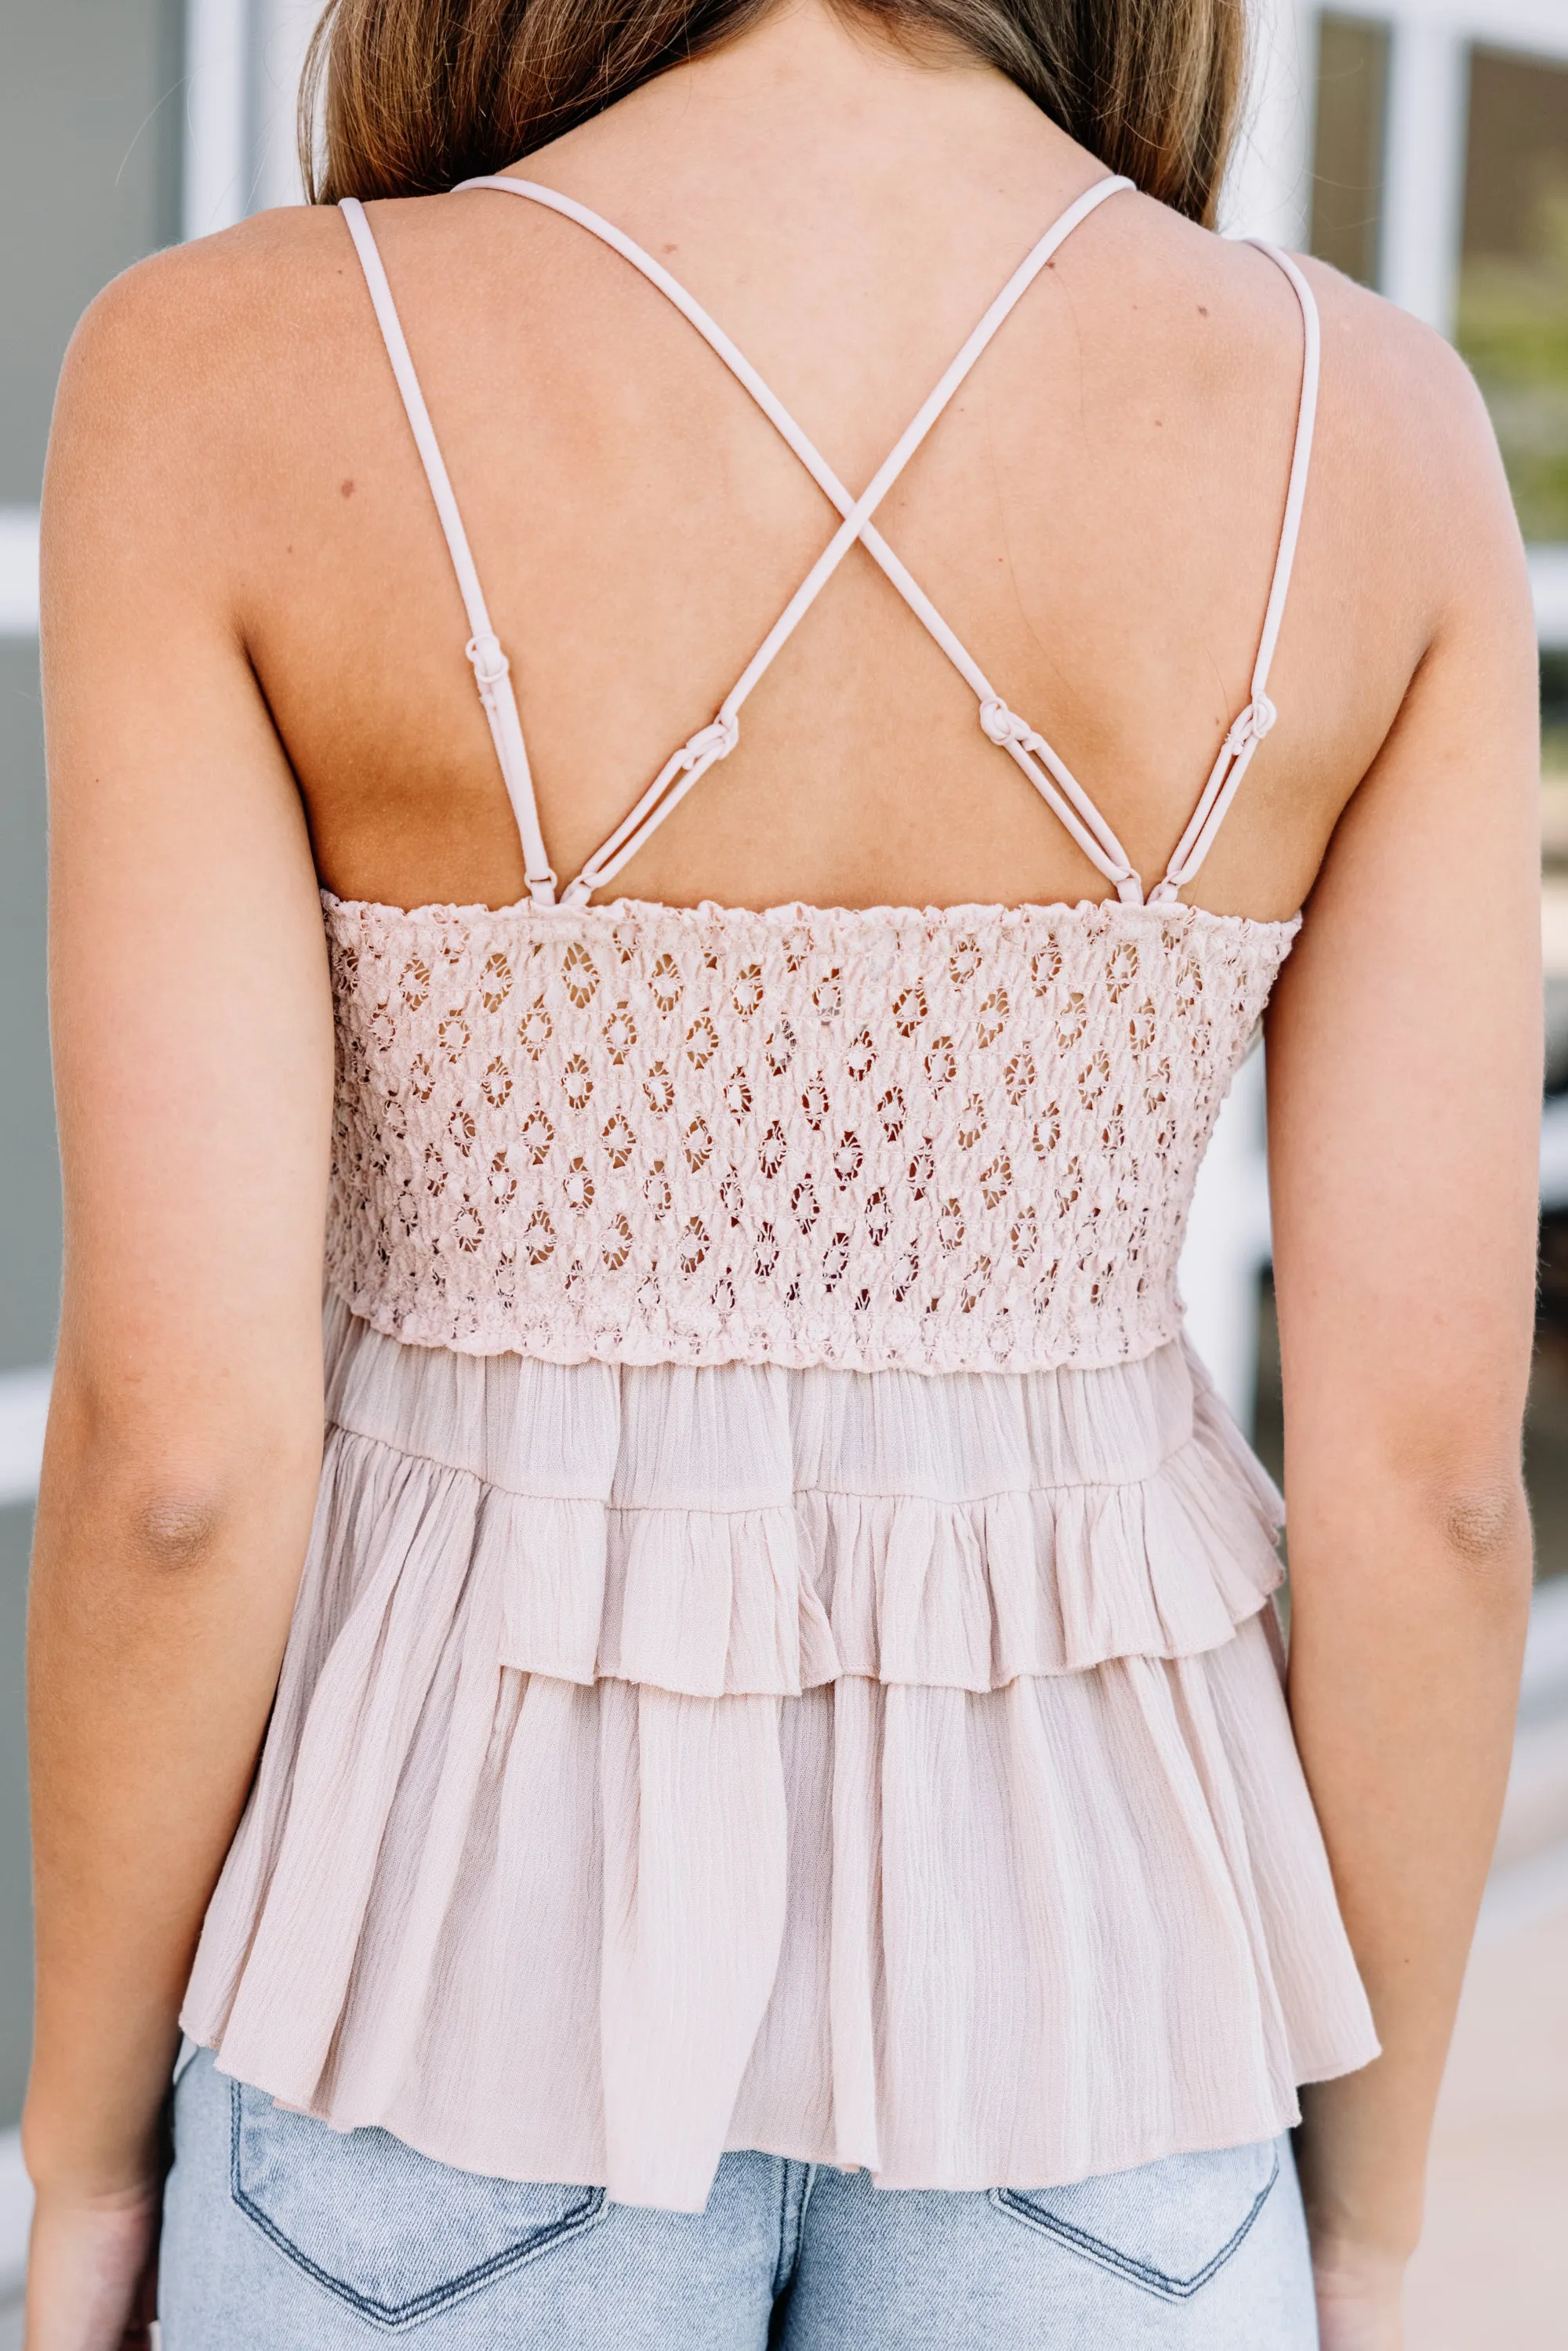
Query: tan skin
x,y
255,677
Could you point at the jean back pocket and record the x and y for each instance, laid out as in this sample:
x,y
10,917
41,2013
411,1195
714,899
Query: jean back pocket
x,y
1168,2226
393,2233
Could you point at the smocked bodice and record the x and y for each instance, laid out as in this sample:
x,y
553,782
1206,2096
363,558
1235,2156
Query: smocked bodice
x,y
957,1140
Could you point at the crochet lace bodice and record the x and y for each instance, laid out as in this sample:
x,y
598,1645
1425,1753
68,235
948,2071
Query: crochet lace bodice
x,y
958,1141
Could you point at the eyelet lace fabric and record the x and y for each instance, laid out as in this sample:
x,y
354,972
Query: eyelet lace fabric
x,y
953,1142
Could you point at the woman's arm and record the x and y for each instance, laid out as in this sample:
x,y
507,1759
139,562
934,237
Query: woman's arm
x,y
1403,1081
192,1056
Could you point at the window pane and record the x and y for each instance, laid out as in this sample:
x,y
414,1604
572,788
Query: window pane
x,y
1347,146
1514,282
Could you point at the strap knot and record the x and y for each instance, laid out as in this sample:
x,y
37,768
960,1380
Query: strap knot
x,y
490,664
1002,725
1252,726
716,740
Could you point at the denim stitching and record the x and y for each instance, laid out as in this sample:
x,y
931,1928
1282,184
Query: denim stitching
x,y
796,2180
1094,2249
394,2316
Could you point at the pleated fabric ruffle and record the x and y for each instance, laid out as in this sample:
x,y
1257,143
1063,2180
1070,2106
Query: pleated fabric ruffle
x,y
875,1768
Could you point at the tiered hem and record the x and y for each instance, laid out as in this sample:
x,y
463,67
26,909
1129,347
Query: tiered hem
x,y
868,1768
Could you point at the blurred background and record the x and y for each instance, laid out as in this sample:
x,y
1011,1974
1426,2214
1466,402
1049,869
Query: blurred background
x,y
1423,148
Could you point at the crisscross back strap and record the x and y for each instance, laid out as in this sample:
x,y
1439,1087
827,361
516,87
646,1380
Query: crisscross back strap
x,y
717,739
1046,770
1071,803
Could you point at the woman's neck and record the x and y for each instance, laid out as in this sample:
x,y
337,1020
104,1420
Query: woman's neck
x,y
811,89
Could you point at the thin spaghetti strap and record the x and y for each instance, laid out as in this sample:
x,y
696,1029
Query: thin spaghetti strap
x,y
1048,774
1301,460
491,667
1236,751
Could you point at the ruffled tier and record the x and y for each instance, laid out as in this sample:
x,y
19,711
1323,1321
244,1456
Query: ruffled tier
x,y
872,1768
745,1530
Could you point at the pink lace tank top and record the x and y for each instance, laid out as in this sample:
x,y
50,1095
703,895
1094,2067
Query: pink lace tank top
x,y
960,1140
695,1732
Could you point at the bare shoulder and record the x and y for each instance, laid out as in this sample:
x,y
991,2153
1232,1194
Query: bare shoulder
x,y
1392,389
1406,437
1402,384
1402,428
197,307
198,349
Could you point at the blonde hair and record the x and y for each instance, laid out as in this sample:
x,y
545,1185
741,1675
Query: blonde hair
x,y
412,96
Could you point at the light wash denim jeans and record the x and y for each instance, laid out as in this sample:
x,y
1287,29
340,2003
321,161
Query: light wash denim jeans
x,y
282,2235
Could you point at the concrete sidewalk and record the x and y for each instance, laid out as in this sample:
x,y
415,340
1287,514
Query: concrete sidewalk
x,y
1492,2271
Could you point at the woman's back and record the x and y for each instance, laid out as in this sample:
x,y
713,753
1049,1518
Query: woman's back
x,y
1097,514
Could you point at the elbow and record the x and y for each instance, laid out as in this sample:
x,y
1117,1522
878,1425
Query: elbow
x,y
1479,1528
1444,1477
162,1500
173,1531
1483,1526
141,1525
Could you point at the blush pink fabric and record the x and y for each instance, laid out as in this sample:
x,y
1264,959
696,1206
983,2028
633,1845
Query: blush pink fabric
x,y
785,1657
